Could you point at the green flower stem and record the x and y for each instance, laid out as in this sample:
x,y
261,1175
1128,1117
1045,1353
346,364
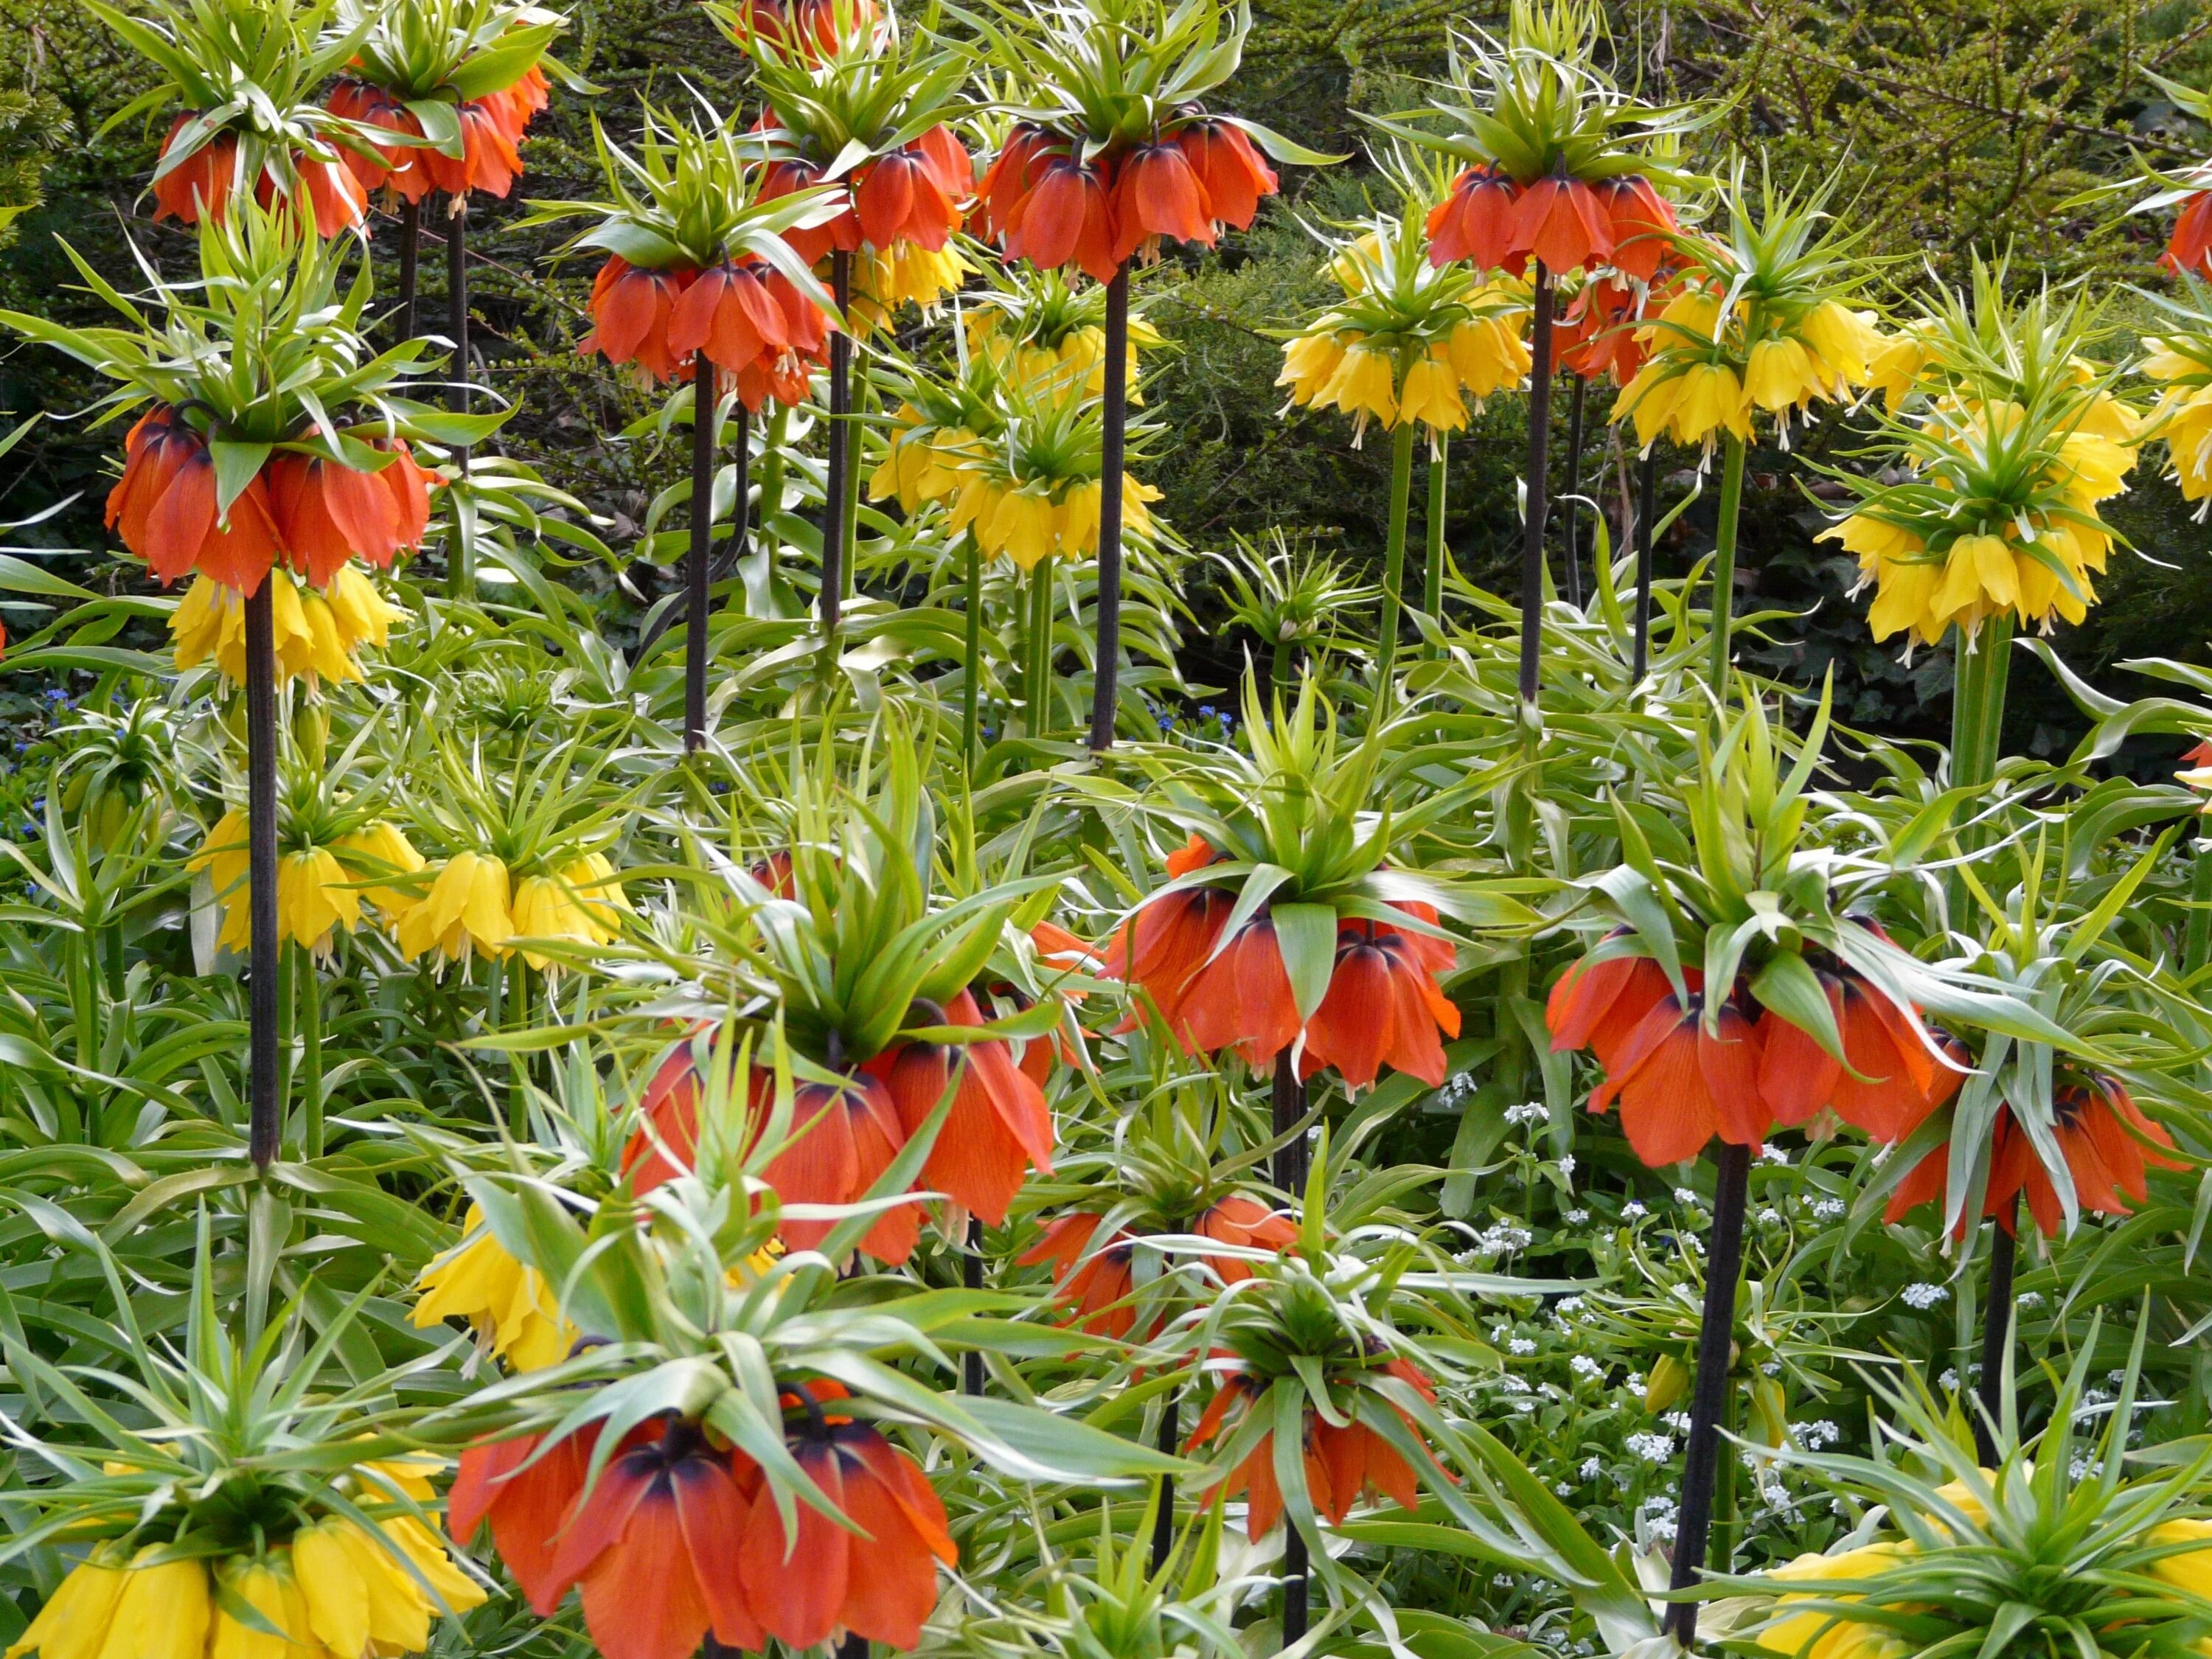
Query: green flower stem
x,y
1432,574
307,983
2197,938
771,486
1394,555
1038,688
1570,521
1647,516
1996,1337
265,1116
1281,667
1725,563
971,693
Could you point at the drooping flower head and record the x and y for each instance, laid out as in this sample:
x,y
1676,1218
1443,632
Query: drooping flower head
x,y
1408,337
270,434
246,77
1283,925
1555,159
439,94
698,264
334,855
1760,321
1113,153
1710,1026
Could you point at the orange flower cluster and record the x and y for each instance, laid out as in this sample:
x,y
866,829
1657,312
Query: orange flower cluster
x,y
679,1537
2189,250
2108,1146
748,318
1679,1085
201,183
310,511
1383,1005
915,195
1597,335
1341,1461
1566,223
1049,205
492,127
844,1135
812,27
1094,1277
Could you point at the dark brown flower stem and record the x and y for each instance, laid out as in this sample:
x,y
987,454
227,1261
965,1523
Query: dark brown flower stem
x,y
1709,1393
833,577
1295,1585
1997,1314
704,407
410,250
1647,510
461,557
1289,1109
1540,445
971,1276
852,1647
1168,1442
1723,612
1432,573
1570,521
266,1118
1115,413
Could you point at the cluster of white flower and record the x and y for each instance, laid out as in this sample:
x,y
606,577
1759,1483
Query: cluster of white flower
x,y
1678,1421
1769,1217
1659,1517
1567,1164
1575,1217
1925,1296
1592,1468
1502,1239
1583,1365
1528,1111
1633,1211
1817,1435
1651,1447
1686,1196
1523,1345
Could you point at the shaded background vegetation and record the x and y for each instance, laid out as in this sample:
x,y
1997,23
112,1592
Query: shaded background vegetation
x,y
1946,127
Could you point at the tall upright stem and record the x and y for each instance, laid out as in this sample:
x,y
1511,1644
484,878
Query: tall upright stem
x,y
971,681
1039,672
266,1115
410,253
741,507
1982,665
1168,1442
1570,522
1708,1395
1724,563
1290,1109
1394,556
834,537
1281,665
971,1275
1295,1575
704,408
1432,572
2196,934
1105,687
1539,446
308,985
461,557
1997,1334
1647,516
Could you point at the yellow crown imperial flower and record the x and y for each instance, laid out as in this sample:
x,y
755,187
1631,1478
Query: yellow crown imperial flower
x,y
316,635
511,1307
1430,394
382,849
73,1624
317,892
582,902
1822,1634
1364,384
908,274
1310,363
468,909
1847,340
1488,354
1780,373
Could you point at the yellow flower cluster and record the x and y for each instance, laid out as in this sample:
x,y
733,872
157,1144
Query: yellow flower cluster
x,y
1330,366
1703,379
473,905
1077,358
1031,522
2035,564
513,1309
335,1591
908,274
469,905
2184,415
319,888
317,634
